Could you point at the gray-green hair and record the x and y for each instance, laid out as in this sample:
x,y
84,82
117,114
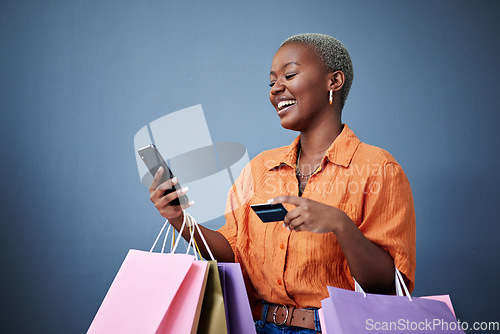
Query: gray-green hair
x,y
333,54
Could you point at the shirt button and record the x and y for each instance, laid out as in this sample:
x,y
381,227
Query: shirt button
x,y
282,246
279,282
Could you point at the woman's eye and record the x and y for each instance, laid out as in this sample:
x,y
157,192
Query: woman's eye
x,y
287,77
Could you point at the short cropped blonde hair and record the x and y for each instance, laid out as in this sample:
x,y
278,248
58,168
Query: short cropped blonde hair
x,y
333,54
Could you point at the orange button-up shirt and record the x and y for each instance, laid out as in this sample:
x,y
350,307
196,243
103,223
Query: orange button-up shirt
x,y
294,268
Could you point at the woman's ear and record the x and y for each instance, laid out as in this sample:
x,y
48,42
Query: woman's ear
x,y
337,80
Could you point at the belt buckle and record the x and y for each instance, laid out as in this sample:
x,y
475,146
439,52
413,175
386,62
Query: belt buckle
x,y
276,312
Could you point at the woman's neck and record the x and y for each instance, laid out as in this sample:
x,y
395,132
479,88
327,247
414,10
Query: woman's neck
x,y
314,143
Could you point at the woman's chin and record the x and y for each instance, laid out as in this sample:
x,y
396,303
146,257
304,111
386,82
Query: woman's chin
x,y
289,124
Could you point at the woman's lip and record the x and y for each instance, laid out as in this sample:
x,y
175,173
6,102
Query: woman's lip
x,y
285,110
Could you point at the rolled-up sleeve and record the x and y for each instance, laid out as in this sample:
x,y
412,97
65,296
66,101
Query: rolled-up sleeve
x,y
389,217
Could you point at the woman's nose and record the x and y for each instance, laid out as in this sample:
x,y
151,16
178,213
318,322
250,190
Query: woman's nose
x,y
277,88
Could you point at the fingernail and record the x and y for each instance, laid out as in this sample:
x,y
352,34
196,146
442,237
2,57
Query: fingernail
x,y
271,201
191,203
288,228
183,190
284,225
174,180
159,170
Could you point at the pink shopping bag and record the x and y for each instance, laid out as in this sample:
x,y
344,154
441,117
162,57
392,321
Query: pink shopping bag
x,y
443,298
142,293
184,312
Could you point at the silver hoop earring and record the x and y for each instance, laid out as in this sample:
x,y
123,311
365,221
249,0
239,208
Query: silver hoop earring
x,y
331,96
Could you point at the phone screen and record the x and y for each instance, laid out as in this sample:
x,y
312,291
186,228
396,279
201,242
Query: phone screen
x,y
153,160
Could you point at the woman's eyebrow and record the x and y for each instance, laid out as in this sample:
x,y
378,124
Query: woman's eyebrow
x,y
284,66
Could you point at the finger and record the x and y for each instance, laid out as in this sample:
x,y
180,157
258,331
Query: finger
x,y
167,199
296,224
294,200
300,228
156,179
168,184
291,215
170,211
187,205
159,192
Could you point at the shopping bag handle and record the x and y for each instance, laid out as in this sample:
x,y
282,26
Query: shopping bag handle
x,y
193,223
158,237
187,221
400,280
400,285
173,247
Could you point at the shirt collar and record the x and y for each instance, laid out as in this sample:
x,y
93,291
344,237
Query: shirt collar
x,y
340,152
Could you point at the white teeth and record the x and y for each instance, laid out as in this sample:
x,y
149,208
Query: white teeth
x,y
283,104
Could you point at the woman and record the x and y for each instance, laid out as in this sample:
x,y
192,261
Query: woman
x,y
350,205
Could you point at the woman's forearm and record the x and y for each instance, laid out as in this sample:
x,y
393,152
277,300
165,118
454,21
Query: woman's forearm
x,y
370,265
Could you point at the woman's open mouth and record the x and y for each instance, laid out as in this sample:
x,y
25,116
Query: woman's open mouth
x,y
284,106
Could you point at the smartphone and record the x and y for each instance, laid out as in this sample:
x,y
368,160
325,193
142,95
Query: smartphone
x,y
270,212
153,160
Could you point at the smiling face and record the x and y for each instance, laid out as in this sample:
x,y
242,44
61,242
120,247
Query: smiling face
x,y
300,86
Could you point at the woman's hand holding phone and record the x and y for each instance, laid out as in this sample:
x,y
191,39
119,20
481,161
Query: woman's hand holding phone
x,y
162,200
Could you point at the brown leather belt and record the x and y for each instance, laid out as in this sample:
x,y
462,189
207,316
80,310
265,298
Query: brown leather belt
x,y
289,316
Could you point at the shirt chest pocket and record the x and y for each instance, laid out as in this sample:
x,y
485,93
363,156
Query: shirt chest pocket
x,y
252,240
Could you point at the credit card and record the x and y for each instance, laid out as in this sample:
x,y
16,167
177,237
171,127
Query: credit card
x,y
270,212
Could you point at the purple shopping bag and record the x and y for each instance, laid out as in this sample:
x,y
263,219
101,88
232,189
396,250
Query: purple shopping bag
x,y
238,313
347,312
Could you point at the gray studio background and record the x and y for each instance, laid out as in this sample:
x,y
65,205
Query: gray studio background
x,y
79,79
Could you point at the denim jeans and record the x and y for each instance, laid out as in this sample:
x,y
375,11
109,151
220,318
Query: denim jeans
x,y
263,327
270,328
